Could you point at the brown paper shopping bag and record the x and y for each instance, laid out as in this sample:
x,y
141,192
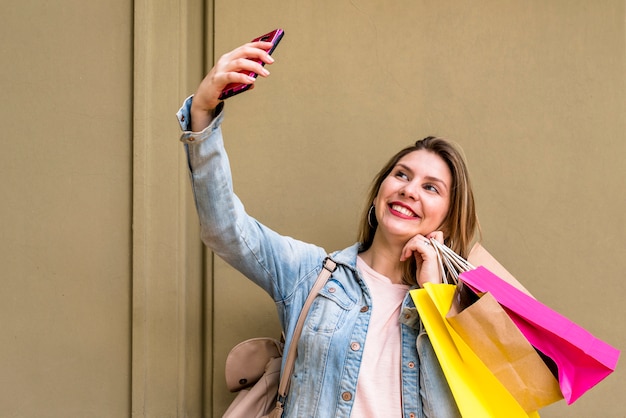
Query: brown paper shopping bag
x,y
491,334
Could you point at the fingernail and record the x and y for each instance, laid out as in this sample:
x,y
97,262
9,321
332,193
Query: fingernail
x,y
269,58
265,72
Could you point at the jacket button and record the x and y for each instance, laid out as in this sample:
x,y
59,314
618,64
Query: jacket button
x,y
332,289
365,309
412,415
355,346
411,365
346,396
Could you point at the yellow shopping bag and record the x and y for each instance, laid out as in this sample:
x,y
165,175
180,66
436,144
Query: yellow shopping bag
x,y
477,392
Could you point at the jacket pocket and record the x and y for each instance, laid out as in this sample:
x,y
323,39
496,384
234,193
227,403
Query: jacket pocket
x,y
330,308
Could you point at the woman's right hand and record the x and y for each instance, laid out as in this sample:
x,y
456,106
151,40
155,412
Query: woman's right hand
x,y
227,70
425,257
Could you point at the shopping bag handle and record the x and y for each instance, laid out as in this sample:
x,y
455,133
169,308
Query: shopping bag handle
x,y
450,263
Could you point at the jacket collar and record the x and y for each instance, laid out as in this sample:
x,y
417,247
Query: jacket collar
x,y
347,256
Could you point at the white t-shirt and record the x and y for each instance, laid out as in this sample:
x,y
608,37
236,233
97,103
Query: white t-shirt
x,y
379,388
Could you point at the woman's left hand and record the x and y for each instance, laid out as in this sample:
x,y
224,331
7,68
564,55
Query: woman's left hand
x,y
425,257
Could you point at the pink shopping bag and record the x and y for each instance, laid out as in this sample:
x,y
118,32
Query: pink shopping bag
x,y
582,359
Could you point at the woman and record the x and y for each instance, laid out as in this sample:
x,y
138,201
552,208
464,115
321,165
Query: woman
x,y
357,355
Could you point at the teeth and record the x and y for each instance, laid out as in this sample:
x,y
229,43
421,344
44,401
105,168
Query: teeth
x,y
402,210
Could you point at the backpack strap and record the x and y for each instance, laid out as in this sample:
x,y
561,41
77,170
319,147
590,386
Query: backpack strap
x,y
329,268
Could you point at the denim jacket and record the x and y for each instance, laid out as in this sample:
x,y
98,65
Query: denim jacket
x,y
331,345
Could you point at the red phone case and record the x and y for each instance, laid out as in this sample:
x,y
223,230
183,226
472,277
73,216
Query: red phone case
x,y
235,88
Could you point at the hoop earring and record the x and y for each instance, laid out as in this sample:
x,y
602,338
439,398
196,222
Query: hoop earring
x,y
369,217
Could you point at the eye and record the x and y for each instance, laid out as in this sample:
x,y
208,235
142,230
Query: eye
x,y
431,188
401,175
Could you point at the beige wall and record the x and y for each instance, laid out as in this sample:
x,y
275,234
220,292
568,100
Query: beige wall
x,y
104,310
101,303
66,82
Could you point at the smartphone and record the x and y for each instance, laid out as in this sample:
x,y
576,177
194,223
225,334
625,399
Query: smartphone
x,y
235,88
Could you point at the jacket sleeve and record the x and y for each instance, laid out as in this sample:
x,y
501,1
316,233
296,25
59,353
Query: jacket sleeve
x,y
276,263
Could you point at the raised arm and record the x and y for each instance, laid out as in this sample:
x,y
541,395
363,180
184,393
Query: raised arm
x,y
277,263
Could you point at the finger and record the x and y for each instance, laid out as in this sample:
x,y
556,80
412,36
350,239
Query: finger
x,y
234,77
437,235
266,47
247,65
418,245
406,253
242,72
252,51
407,250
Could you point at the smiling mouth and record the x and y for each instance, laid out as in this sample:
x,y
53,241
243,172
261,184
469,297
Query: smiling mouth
x,y
403,210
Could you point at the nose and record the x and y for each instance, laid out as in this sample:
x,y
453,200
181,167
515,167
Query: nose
x,y
410,191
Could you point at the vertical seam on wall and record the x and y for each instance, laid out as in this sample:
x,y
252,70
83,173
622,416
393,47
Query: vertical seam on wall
x,y
132,209
208,60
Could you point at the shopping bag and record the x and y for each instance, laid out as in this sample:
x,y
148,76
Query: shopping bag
x,y
488,330
477,392
582,359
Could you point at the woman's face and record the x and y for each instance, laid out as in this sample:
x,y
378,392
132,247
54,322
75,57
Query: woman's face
x,y
414,198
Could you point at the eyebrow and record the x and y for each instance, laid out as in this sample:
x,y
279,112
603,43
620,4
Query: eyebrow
x,y
429,178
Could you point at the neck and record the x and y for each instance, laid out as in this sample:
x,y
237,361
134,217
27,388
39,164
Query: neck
x,y
384,260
